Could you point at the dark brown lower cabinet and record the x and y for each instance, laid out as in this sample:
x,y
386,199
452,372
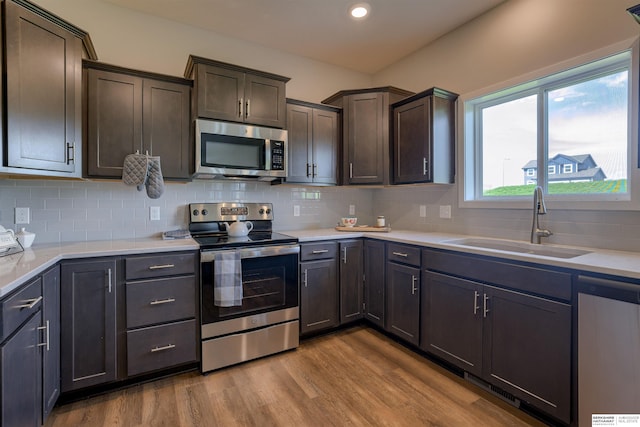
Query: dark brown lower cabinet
x,y
51,351
518,342
88,320
318,295
351,287
403,301
374,280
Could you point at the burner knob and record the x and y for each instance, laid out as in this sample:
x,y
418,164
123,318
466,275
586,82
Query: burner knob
x,y
195,212
261,211
205,212
268,211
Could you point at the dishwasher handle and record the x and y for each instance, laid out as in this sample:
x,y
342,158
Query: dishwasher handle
x,y
609,288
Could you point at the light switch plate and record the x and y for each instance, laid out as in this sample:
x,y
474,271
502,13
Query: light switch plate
x,y
296,210
423,211
22,215
154,213
445,211
352,209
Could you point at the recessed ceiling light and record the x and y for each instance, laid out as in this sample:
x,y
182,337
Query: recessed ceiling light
x,y
359,11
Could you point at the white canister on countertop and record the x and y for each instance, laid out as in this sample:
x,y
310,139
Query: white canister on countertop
x,y
380,222
25,237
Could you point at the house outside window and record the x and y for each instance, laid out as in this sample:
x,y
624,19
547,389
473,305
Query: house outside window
x,y
580,116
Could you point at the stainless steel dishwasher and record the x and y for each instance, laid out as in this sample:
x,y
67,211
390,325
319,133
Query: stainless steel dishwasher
x,y
608,348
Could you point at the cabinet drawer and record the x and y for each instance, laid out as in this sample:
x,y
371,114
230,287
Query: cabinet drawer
x,y
160,347
160,300
554,284
323,250
404,254
18,307
160,265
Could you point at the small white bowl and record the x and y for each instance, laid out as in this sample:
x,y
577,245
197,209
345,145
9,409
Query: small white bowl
x,y
349,222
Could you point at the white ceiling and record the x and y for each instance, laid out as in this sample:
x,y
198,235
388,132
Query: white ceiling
x,y
322,29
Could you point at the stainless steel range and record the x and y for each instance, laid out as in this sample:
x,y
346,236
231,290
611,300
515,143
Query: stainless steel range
x,y
248,282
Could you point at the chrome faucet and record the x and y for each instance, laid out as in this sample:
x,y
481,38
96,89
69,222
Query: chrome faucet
x,y
539,208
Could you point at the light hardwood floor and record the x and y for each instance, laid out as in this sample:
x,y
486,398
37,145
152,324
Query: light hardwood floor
x,y
354,377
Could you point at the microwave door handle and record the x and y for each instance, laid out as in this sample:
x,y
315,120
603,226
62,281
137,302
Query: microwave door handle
x,y
267,154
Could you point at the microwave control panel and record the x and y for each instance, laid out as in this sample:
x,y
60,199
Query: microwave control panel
x,y
277,155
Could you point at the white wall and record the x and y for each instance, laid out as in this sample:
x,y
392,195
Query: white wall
x,y
130,39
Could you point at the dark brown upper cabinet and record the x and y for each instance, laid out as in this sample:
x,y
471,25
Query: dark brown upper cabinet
x,y
314,140
232,93
129,111
365,118
424,138
43,57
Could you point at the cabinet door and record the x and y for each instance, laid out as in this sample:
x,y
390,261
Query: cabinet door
x,y
527,349
51,352
452,320
265,101
403,302
351,286
20,358
300,128
411,142
114,121
220,93
318,295
364,139
326,135
374,274
166,121
88,320
43,108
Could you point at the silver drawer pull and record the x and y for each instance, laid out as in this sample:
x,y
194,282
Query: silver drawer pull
x,y
166,347
162,301
30,303
400,254
322,251
158,267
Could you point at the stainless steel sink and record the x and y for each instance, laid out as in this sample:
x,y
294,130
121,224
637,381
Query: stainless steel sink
x,y
520,247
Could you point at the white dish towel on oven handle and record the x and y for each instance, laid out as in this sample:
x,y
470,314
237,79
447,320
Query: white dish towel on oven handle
x,y
227,279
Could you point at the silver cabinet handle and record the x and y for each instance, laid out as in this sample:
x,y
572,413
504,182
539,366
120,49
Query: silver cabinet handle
x,y
344,255
304,280
350,170
109,276
248,107
30,303
485,308
314,173
414,288
159,267
476,307
240,110
46,328
320,251
166,347
162,301
71,152
308,168
424,166
400,254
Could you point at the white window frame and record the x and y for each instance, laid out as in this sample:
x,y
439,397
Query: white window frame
x,y
467,162
567,168
531,172
552,169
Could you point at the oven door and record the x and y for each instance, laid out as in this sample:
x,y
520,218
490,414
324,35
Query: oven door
x,y
269,283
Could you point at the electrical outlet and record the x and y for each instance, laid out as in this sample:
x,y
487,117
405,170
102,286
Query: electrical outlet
x,y
296,210
445,211
352,209
423,211
154,213
22,215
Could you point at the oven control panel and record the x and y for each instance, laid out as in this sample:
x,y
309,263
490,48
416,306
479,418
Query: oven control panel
x,y
236,211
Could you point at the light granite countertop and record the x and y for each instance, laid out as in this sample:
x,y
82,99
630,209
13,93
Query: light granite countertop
x,y
16,269
616,263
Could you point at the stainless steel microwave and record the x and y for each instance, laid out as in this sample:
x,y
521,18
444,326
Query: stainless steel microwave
x,y
234,150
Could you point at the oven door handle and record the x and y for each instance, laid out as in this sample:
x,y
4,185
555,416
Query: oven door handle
x,y
253,252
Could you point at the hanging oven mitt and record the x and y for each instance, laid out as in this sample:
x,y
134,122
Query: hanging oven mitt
x,y
154,182
134,170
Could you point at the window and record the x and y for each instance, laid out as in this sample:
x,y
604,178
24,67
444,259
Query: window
x,y
578,116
